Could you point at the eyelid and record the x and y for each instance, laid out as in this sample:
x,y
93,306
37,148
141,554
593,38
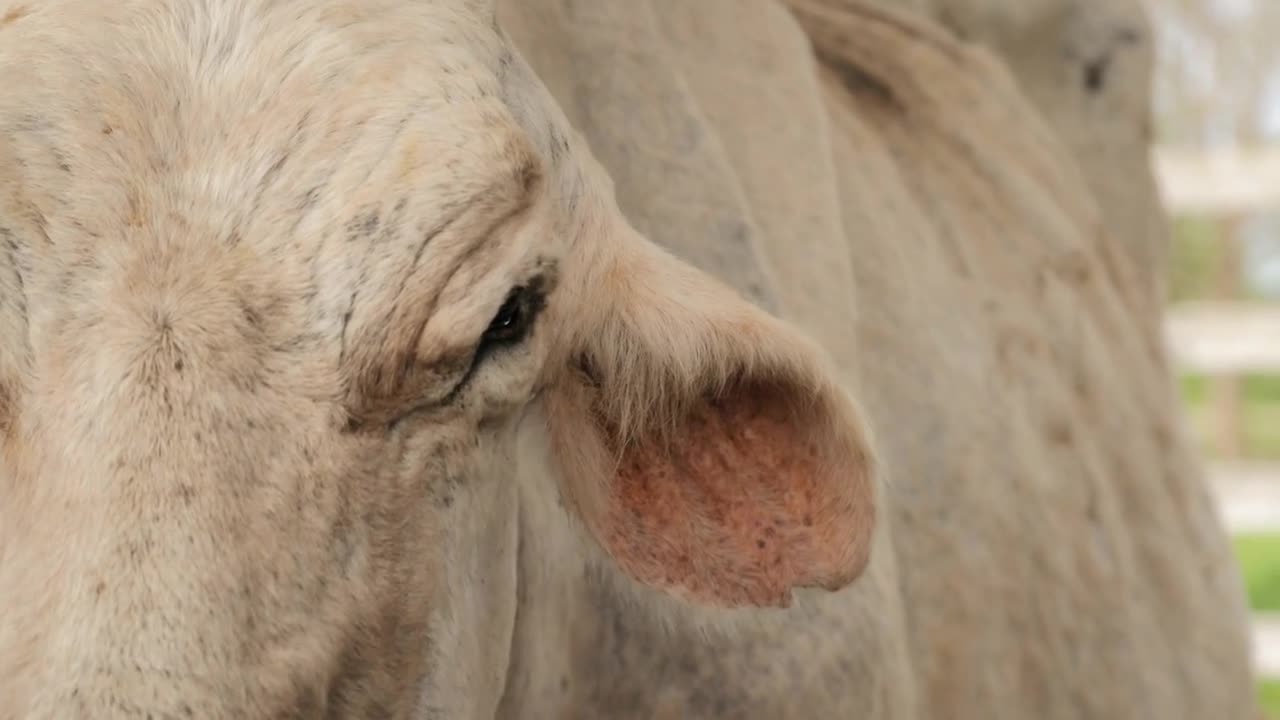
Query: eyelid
x,y
463,361
532,302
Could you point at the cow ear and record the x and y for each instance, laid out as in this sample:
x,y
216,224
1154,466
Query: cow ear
x,y
705,445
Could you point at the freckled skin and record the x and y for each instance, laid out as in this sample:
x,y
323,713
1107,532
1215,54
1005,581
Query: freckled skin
x,y
780,530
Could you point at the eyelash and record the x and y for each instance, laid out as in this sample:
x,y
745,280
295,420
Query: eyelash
x,y
510,325
513,320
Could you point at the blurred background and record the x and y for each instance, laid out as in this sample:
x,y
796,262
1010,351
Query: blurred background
x,y
1218,159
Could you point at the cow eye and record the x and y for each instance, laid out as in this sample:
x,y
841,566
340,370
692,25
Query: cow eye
x,y
512,321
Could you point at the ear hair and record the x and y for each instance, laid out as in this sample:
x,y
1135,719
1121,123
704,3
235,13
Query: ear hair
x,y
706,444
708,339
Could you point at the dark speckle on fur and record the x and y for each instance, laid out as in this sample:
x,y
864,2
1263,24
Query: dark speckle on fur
x,y
862,84
6,407
269,177
558,143
1096,69
309,198
346,321
1095,73
363,225
505,61
64,165
15,13
1129,36
11,250
251,315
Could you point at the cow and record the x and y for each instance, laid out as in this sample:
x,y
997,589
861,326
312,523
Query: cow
x,y
281,282
432,359
1053,550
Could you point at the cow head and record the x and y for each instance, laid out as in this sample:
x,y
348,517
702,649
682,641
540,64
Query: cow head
x,y
279,284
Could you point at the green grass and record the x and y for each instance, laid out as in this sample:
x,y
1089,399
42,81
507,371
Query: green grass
x,y
1194,264
1194,260
1269,698
1261,389
1195,253
1261,408
1259,558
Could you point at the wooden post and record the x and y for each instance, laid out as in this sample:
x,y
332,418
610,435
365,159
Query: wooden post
x,y
1226,391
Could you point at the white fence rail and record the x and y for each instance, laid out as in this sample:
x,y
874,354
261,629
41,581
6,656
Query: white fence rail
x,y
1226,340
1219,182
1222,338
1247,495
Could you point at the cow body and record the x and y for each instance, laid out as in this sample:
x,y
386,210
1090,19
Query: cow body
x,y
1045,500
339,379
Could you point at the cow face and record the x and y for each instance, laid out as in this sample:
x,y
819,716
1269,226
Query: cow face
x,y
279,284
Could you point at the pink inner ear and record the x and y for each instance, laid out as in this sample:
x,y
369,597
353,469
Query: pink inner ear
x,y
744,503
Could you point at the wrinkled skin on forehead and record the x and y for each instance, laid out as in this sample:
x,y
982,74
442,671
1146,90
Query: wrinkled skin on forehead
x,y
244,411
280,286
